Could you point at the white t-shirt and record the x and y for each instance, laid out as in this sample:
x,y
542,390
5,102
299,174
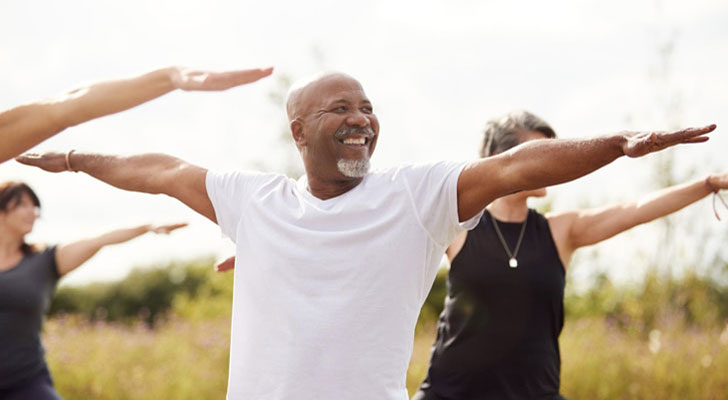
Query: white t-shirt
x,y
327,292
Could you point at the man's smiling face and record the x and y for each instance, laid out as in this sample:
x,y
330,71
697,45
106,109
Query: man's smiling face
x,y
334,127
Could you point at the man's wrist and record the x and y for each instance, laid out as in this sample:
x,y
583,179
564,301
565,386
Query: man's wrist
x,y
619,141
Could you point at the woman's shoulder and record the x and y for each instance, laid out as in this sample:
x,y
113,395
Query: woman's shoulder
x,y
38,249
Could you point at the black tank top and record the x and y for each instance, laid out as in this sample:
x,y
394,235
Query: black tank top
x,y
497,337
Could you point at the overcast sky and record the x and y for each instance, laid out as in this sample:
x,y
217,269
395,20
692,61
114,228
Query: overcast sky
x,y
435,71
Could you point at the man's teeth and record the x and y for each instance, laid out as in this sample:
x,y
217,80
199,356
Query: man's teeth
x,y
358,141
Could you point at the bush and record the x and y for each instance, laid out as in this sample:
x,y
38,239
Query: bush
x,y
146,293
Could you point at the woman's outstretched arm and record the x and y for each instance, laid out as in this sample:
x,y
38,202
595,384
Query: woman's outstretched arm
x,y
579,228
70,256
25,126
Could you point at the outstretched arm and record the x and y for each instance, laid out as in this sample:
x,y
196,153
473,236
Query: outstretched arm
x,y
148,173
574,229
25,126
540,163
70,256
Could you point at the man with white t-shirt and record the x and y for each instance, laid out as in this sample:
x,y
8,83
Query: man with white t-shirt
x,y
333,268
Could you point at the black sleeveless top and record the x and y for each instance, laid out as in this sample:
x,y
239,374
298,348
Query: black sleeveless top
x,y
497,337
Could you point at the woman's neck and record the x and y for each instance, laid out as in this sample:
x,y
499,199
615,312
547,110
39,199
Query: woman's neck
x,y
9,244
512,208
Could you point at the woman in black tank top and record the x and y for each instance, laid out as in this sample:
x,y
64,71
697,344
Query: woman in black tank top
x,y
497,336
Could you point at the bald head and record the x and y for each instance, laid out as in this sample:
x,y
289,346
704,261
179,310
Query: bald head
x,y
306,94
334,127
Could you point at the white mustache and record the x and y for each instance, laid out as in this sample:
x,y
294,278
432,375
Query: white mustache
x,y
351,130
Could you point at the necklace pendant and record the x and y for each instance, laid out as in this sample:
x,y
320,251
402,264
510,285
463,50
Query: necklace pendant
x,y
513,263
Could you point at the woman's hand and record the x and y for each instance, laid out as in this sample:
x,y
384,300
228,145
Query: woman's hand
x,y
189,79
166,229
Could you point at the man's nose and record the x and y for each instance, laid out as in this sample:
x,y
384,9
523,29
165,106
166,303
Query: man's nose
x,y
358,118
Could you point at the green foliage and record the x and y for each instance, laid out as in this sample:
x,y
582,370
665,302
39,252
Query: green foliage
x,y
692,301
144,294
435,301
212,300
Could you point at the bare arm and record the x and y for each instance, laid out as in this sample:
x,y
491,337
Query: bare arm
x,y
457,244
70,256
25,126
148,173
574,229
541,163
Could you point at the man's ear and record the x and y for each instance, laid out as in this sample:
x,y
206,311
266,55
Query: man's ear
x,y
297,133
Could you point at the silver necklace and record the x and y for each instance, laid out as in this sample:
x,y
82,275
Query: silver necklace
x,y
512,261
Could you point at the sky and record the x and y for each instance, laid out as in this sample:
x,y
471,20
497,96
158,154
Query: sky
x,y
435,71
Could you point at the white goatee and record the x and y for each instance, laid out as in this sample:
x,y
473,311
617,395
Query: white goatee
x,y
353,168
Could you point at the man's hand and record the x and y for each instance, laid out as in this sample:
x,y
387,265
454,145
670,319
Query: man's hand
x,y
51,161
188,79
226,265
641,143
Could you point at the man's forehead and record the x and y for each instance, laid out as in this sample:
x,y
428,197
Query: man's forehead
x,y
322,90
335,88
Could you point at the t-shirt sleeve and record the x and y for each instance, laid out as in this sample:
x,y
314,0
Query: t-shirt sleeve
x,y
229,193
434,195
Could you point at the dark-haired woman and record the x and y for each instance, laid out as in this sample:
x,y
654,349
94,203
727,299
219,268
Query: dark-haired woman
x,y
497,336
28,277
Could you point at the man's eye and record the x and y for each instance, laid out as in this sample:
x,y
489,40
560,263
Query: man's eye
x,y
340,109
367,110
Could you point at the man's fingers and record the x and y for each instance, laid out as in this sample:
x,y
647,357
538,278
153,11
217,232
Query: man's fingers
x,y
226,265
699,139
648,142
692,132
28,158
51,162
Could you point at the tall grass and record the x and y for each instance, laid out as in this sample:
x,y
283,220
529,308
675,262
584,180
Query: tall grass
x,y
667,340
603,361
184,360
177,360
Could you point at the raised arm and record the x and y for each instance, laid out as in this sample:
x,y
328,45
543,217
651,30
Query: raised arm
x,y
574,229
148,173
70,256
25,126
540,163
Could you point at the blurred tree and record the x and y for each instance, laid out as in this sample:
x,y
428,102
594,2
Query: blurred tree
x,y
146,293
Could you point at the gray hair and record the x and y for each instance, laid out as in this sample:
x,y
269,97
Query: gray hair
x,y
503,133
